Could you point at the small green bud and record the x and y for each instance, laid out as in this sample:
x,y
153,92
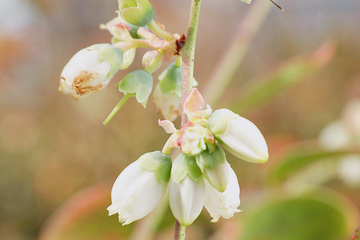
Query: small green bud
x,y
136,12
139,83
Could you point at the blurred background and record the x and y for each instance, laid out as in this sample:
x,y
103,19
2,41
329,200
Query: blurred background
x,y
301,72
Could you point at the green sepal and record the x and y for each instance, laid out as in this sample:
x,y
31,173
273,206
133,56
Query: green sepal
x,y
109,54
128,58
247,1
136,12
133,29
138,82
158,162
193,169
170,79
185,165
208,161
114,56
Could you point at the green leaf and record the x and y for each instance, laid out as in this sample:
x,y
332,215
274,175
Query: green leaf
x,y
301,156
138,82
296,219
285,77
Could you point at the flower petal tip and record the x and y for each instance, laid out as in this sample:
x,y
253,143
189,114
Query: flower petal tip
x,y
112,210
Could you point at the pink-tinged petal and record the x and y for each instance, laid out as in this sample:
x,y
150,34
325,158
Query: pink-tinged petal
x,y
183,130
171,143
193,102
118,29
167,125
148,57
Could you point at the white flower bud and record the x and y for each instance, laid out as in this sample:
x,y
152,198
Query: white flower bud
x,y
186,199
90,70
215,168
223,204
135,193
239,136
186,190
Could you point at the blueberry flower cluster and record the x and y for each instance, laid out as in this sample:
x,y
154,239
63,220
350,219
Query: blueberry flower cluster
x,y
200,175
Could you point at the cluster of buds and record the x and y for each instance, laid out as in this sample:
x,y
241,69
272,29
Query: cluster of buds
x,y
92,68
200,175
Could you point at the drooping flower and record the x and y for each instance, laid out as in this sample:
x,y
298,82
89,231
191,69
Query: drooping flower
x,y
239,136
214,167
90,70
223,204
186,190
140,186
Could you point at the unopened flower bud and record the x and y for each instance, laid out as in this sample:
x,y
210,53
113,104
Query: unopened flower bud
x,y
186,190
214,167
239,136
223,204
167,94
136,12
140,187
90,70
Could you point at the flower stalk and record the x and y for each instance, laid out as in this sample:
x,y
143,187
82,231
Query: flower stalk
x,y
117,107
160,31
188,54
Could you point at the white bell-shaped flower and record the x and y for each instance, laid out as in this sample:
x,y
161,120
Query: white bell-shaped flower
x,y
186,199
239,136
137,190
90,70
223,204
186,190
214,167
